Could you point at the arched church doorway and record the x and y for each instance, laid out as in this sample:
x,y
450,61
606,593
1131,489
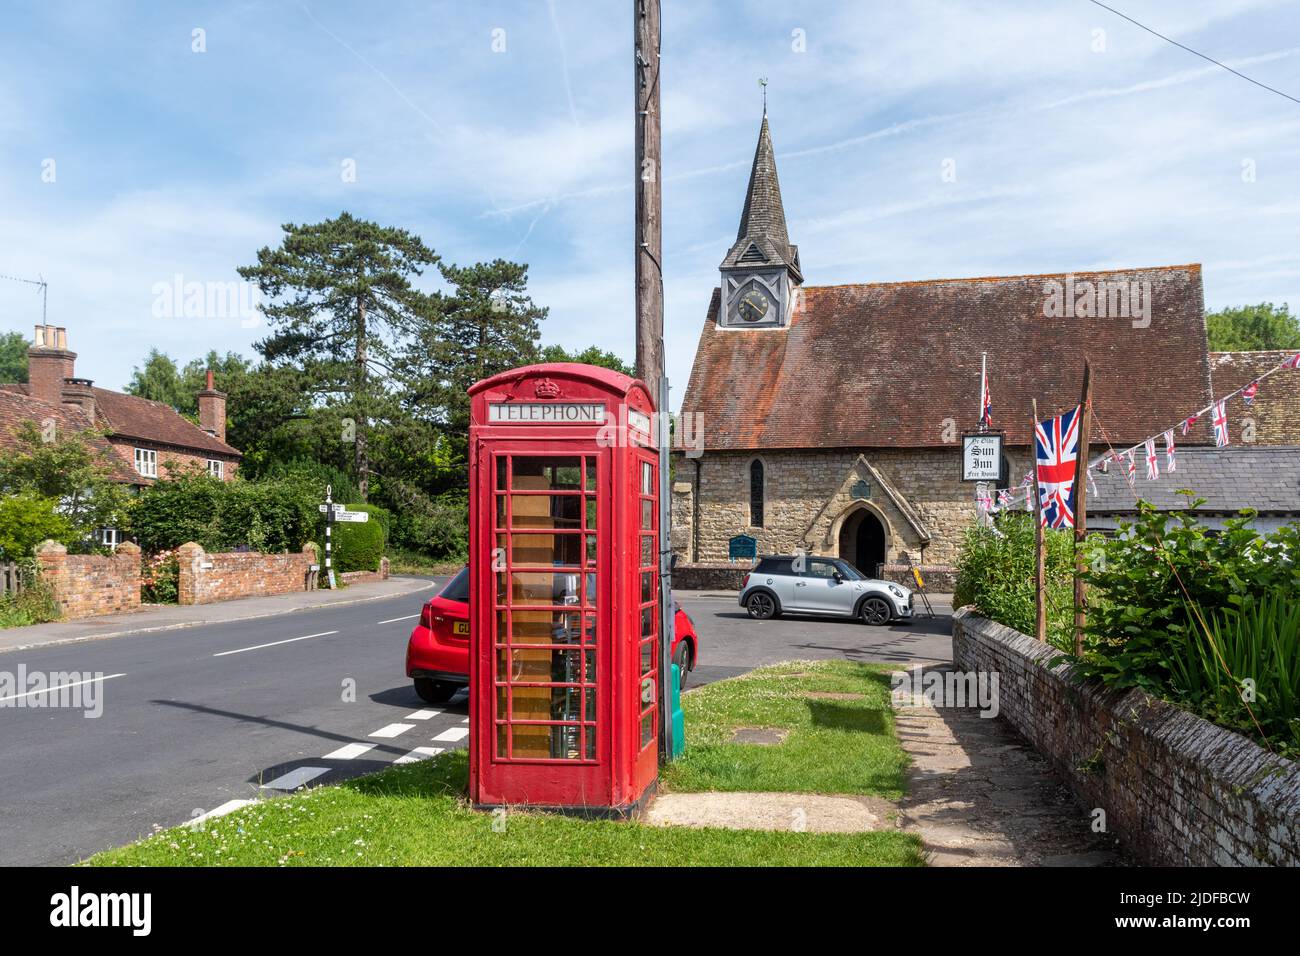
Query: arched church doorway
x,y
862,541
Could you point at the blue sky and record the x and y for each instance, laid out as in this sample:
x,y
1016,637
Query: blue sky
x,y
1067,157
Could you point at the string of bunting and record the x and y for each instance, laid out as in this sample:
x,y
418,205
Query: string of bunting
x,y
1125,458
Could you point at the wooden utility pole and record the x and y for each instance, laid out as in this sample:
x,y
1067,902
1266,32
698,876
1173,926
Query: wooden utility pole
x,y
1040,549
1081,508
649,199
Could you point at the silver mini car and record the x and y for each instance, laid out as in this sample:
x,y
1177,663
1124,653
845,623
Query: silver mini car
x,y
824,586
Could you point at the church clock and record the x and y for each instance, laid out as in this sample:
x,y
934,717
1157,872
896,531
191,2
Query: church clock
x,y
753,306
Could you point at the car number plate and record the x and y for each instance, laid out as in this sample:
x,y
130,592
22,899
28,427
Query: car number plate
x,y
460,627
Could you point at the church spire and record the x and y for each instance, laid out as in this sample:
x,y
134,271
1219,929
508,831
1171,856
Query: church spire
x,y
762,238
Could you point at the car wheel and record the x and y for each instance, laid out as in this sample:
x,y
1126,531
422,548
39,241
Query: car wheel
x,y
434,691
875,610
682,658
761,606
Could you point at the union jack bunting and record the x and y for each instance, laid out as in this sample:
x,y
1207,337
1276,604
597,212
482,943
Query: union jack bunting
x,y
1056,445
1221,423
1130,469
1004,497
1153,470
1292,362
1171,464
986,404
1189,422
1105,466
1248,393
1092,485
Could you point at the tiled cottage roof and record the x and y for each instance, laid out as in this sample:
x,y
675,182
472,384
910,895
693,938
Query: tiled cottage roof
x,y
897,364
17,408
1266,478
1276,410
131,417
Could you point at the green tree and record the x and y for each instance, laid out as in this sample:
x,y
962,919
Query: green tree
x,y
13,357
159,380
1248,328
487,324
71,471
591,355
26,519
338,296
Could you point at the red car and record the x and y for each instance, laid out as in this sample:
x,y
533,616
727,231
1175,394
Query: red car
x,y
437,655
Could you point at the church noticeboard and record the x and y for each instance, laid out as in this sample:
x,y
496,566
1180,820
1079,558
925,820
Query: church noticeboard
x,y
981,457
742,546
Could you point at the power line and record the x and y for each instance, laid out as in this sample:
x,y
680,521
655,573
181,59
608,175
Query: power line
x,y
1208,59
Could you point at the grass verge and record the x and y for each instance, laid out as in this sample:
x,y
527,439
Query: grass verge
x,y
416,816
835,744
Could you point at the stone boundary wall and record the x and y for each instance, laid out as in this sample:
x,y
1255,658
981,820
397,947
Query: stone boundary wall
x,y
87,585
208,578
363,577
939,578
714,576
1177,790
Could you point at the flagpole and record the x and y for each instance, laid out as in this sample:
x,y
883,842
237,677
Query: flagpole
x,y
984,386
1081,508
1040,549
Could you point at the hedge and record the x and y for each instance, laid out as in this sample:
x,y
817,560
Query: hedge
x,y
358,546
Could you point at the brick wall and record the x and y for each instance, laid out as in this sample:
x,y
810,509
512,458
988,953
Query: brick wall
x,y
938,578
363,577
207,578
171,462
87,585
1176,789
808,496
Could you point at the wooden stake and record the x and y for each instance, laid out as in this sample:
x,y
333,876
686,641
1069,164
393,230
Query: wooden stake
x,y
649,229
1040,545
1081,508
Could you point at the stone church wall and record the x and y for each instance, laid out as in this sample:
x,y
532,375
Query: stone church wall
x,y
809,494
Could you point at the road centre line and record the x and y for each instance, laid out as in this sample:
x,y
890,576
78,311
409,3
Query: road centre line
x,y
258,647
393,620
55,690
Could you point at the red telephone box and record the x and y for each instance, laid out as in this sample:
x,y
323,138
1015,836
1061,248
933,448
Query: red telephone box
x,y
564,590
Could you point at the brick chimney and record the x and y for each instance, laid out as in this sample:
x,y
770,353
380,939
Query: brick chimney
x,y
212,410
79,393
48,363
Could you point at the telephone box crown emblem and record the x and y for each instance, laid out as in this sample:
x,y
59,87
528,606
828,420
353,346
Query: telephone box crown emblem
x,y
546,389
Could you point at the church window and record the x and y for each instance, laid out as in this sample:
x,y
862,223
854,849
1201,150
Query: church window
x,y
756,493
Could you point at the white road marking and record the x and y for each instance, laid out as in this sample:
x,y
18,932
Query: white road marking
x,y
230,806
258,647
453,734
349,751
419,753
394,620
392,730
422,715
295,778
465,720
59,687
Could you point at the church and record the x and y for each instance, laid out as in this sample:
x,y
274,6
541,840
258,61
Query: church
x,y
831,416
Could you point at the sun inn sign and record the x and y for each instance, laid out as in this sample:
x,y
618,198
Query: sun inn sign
x,y
981,457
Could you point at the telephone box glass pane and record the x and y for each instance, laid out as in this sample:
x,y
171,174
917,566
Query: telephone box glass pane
x,y
647,729
555,550
647,478
591,474
543,587
544,511
647,551
647,586
647,657
501,511
501,473
539,665
591,514
647,514
549,473
546,627
647,621
591,549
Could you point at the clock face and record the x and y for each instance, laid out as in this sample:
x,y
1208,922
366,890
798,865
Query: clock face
x,y
753,306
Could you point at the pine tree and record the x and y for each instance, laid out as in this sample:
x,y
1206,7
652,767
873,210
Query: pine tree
x,y
339,298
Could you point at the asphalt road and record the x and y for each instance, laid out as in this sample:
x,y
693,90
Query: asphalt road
x,y
206,715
